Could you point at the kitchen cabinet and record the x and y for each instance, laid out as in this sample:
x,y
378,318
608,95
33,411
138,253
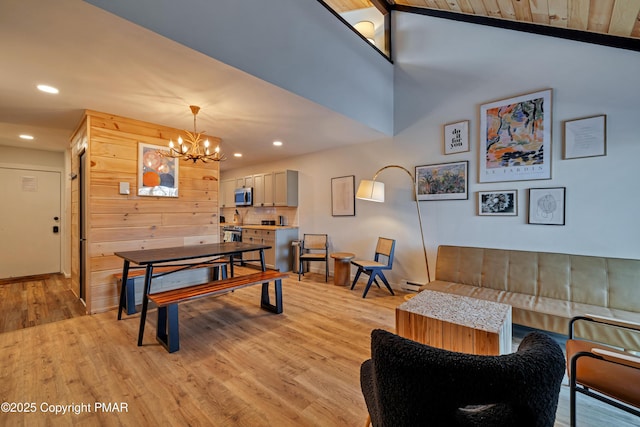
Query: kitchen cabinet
x,y
279,255
227,188
244,182
285,188
263,189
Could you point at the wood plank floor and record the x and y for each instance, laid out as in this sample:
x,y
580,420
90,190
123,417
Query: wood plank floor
x,y
238,365
36,300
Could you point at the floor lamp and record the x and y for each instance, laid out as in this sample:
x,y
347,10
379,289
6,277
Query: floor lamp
x,y
373,190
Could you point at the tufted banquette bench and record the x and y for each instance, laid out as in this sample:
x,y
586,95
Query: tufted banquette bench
x,y
547,289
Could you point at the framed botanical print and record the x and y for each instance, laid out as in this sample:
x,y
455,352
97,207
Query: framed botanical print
x,y
444,181
547,206
515,138
498,203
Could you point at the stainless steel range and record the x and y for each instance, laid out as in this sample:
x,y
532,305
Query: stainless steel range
x,y
231,233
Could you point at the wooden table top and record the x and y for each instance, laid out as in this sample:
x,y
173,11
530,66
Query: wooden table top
x,y
178,253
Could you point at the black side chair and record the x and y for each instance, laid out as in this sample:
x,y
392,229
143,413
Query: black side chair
x,y
314,247
406,383
601,371
385,249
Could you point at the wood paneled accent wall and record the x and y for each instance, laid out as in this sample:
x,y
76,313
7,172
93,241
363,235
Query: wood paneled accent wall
x,y
116,222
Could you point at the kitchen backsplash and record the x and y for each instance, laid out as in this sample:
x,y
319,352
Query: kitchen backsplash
x,y
254,215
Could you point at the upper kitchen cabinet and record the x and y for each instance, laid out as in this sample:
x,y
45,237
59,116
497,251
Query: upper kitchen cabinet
x,y
285,188
227,189
263,191
244,182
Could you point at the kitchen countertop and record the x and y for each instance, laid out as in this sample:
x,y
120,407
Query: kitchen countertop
x,y
258,226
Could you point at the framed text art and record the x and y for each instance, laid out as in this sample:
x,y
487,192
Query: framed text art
x,y
444,181
498,203
547,205
157,175
456,137
343,200
515,138
586,137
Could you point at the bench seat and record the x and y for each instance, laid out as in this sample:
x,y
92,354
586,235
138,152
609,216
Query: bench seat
x,y
219,270
167,332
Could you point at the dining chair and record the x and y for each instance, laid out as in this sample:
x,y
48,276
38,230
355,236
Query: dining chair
x,y
314,247
601,371
384,250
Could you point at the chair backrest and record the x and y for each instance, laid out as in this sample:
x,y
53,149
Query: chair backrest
x,y
409,383
315,242
385,247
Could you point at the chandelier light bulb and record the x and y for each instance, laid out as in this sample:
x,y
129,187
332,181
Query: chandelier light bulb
x,y
194,148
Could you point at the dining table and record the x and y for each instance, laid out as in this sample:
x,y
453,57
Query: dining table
x,y
181,256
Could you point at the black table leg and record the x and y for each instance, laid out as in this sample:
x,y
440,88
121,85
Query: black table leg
x,y
262,264
145,301
123,286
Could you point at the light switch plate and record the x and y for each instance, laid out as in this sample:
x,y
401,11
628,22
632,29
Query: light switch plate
x,y
124,188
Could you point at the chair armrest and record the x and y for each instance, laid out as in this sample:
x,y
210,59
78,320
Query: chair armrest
x,y
622,359
614,322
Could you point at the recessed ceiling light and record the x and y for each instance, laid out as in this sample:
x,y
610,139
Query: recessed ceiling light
x,y
277,143
237,154
25,136
48,89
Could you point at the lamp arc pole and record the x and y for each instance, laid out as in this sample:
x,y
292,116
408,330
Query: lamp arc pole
x,y
415,194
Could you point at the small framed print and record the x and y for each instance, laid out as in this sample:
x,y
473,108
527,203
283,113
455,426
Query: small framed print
x,y
157,175
456,137
444,181
343,202
586,137
498,203
547,206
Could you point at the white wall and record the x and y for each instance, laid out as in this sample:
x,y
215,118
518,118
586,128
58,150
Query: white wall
x,y
25,158
444,70
296,45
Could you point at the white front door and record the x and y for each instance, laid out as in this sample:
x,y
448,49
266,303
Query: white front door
x,y
29,212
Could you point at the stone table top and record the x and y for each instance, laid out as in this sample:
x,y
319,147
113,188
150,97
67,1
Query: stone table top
x,y
458,309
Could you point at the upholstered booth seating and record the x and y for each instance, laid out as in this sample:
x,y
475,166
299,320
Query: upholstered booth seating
x,y
406,383
546,290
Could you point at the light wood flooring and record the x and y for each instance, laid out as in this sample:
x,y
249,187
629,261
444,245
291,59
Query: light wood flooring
x,y
238,365
36,300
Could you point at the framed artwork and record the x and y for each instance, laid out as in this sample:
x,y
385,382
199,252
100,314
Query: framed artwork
x,y
498,203
586,137
343,198
157,175
444,181
515,138
547,206
456,137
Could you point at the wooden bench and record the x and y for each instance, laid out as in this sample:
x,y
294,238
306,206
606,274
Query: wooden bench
x,y
128,289
167,332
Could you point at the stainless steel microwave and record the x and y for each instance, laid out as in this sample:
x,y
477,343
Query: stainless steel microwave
x,y
244,196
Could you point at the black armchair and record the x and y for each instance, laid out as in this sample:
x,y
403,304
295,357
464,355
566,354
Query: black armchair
x,y
406,383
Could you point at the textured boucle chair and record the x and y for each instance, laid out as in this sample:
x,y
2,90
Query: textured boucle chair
x,y
406,383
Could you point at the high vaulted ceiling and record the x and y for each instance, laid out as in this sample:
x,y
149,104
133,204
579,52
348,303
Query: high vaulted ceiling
x,y
611,17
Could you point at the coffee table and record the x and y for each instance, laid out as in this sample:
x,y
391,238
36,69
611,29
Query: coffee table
x,y
456,323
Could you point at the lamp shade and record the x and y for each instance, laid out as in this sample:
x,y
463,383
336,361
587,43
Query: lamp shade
x,y
371,190
367,29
